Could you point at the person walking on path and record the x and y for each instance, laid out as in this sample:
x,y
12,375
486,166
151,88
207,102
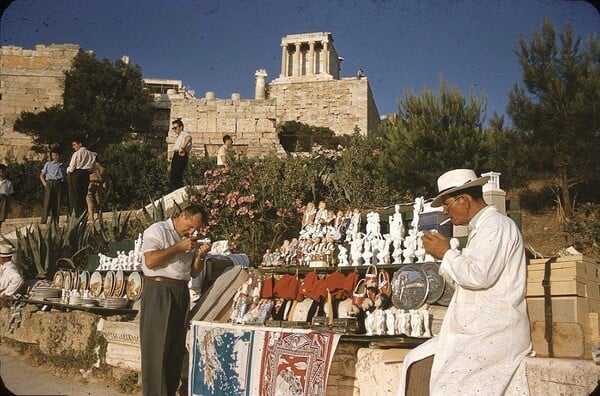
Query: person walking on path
x,y
225,154
78,176
52,177
171,255
6,190
181,154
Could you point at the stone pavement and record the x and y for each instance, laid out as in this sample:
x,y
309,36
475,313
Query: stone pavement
x,y
22,378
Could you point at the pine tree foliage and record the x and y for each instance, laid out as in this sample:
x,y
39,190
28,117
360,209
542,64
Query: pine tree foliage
x,y
430,134
558,108
103,103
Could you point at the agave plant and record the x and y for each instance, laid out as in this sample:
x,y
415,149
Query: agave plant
x,y
39,249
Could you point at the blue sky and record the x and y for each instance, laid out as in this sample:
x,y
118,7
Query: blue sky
x,y
217,45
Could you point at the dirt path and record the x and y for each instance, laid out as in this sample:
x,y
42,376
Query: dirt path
x,y
22,378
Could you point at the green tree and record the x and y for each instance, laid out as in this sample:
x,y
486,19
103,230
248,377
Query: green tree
x,y
506,152
102,103
431,133
558,109
298,136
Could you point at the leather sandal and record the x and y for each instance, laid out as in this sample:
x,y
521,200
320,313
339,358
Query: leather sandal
x,y
384,283
359,293
371,276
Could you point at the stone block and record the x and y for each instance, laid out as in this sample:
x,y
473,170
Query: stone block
x,y
372,373
561,376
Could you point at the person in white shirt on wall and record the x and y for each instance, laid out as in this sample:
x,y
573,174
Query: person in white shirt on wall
x,y
181,153
6,190
225,154
485,332
78,176
11,278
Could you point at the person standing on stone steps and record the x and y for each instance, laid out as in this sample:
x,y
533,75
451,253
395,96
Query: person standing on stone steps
x,y
181,154
53,176
6,190
78,176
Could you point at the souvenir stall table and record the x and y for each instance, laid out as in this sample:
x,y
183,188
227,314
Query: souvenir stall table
x,y
338,282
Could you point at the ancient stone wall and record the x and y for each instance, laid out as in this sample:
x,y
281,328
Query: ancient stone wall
x,y
251,123
341,105
30,80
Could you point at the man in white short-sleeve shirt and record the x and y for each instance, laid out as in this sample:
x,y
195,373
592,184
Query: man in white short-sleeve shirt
x,y
171,255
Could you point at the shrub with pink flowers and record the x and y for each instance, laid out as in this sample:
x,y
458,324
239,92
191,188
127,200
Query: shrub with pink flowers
x,y
256,204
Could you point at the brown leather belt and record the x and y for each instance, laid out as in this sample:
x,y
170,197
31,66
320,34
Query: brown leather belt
x,y
165,279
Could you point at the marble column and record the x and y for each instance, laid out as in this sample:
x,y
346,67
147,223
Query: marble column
x,y
284,60
325,53
310,59
297,59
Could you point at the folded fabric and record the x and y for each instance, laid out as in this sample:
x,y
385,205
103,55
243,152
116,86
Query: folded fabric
x,y
313,287
286,287
350,283
335,284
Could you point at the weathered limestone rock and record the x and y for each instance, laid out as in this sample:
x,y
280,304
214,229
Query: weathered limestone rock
x,y
123,344
342,373
547,376
377,369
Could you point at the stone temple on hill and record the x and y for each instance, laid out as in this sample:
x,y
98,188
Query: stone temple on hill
x,y
308,89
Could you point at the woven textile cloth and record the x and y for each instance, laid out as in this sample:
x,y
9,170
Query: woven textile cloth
x,y
236,360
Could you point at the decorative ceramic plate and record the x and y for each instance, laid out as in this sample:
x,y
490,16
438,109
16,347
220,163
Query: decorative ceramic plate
x,y
119,284
67,284
84,281
96,284
59,280
435,280
135,284
109,283
447,295
409,287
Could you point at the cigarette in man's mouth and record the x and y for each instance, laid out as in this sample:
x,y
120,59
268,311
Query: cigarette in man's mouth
x,y
445,221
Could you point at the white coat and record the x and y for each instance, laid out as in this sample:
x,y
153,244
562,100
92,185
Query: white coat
x,y
485,333
10,279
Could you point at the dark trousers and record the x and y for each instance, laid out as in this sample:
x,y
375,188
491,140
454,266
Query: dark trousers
x,y
79,181
178,164
52,199
163,328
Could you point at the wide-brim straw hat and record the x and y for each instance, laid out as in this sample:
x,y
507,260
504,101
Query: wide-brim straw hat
x,y
6,250
456,180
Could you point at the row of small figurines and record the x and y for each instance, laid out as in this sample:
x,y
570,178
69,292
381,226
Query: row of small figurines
x,y
364,250
130,261
394,321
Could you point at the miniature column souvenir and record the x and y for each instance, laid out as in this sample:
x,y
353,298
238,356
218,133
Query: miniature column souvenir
x,y
417,209
420,252
380,321
356,249
416,323
390,321
367,254
426,322
370,323
397,253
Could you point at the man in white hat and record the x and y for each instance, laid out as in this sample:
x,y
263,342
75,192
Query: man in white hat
x,y
11,278
485,333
